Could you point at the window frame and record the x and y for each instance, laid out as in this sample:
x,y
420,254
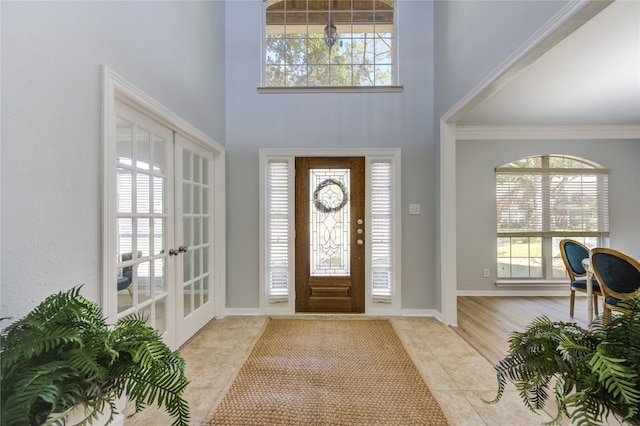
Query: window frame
x,y
544,230
392,87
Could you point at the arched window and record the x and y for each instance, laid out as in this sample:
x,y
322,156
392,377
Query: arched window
x,y
329,43
541,200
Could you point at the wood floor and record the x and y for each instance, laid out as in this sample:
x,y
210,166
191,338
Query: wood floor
x,y
487,322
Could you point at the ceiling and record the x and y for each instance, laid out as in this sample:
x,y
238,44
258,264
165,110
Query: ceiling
x,y
592,77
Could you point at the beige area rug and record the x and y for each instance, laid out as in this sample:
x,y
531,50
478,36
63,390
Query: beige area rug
x,y
328,372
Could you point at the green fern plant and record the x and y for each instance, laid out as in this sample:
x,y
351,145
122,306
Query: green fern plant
x,y
596,372
63,354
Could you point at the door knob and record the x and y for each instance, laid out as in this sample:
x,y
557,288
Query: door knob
x,y
173,252
183,249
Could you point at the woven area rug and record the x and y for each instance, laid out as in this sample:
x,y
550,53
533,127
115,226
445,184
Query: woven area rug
x,y
328,372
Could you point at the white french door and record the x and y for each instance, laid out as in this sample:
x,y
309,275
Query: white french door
x,y
194,232
164,210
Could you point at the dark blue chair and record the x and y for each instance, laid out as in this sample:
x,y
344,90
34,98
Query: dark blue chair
x,y
618,275
572,254
125,280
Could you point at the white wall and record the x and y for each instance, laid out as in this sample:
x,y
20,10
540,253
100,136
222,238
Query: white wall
x,y
330,120
52,54
476,208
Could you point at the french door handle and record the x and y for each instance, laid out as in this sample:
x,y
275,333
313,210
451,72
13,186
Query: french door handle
x,y
181,249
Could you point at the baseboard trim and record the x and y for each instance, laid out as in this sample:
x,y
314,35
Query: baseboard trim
x,y
374,312
239,312
512,293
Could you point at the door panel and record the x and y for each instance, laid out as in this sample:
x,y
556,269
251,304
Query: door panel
x,y
144,194
330,234
194,237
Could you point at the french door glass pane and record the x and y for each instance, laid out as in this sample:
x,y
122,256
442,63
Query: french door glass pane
x,y
144,281
161,315
124,200
159,276
123,142
144,154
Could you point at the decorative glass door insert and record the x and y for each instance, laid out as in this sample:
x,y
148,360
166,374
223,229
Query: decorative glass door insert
x,y
329,222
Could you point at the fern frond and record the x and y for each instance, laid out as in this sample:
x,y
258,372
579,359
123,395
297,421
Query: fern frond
x,y
64,354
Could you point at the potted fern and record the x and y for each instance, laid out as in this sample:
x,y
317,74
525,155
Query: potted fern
x,y
64,355
596,371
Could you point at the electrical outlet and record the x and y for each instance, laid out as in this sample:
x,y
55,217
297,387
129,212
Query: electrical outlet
x,y
485,272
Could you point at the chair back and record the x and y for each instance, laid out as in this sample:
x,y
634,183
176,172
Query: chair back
x,y
128,270
617,273
572,254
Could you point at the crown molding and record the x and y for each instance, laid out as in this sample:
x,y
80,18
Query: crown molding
x,y
631,131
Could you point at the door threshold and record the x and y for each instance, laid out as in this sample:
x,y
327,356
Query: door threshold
x,y
331,314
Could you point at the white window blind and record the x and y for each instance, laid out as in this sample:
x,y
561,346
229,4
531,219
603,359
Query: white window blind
x,y
381,231
278,231
552,202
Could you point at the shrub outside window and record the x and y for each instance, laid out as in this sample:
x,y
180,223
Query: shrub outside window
x,y
541,200
302,48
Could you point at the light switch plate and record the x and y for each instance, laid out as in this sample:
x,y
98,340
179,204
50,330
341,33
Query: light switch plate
x,y
414,208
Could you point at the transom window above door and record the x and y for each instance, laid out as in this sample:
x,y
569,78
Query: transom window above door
x,y
329,43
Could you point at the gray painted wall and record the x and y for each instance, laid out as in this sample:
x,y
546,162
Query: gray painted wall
x,y
476,207
474,37
330,120
52,54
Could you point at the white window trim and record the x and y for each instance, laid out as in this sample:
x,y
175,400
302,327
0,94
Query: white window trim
x,y
114,87
371,308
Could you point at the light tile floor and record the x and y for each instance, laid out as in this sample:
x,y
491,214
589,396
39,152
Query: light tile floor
x,y
458,376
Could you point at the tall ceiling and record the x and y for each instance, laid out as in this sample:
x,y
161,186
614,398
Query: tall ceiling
x,y
592,77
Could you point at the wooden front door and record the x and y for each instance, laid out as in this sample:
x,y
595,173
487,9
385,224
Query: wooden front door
x,y
330,234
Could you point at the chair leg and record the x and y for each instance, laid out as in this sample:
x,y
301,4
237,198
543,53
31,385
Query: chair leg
x,y
572,303
595,304
606,314
130,292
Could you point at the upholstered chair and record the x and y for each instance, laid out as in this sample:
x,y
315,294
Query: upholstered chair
x,y
572,254
618,275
